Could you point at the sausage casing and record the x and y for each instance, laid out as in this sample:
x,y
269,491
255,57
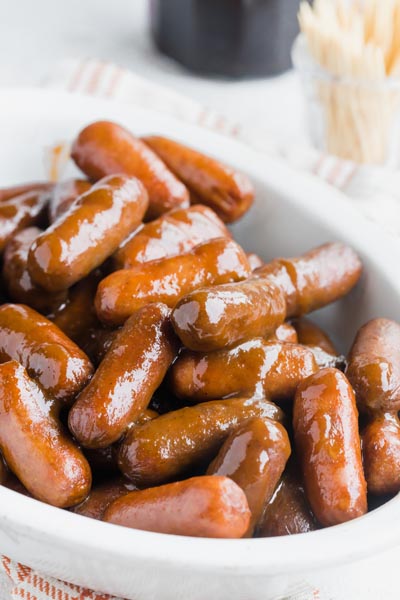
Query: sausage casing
x,y
59,366
18,190
316,278
328,445
381,452
101,496
126,379
310,334
201,506
255,261
175,232
374,366
64,194
34,444
20,212
254,456
89,232
225,315
165,447
19,284
167,280
288,511
13,483
214,184
257,367
105,148
326,359
285,333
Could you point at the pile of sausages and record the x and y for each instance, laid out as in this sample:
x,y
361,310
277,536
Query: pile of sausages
x,y
155,376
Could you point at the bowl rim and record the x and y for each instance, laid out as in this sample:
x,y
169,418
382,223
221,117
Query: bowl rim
x,y
21,515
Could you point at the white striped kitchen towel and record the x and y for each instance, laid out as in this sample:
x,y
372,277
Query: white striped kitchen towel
x,y
374,190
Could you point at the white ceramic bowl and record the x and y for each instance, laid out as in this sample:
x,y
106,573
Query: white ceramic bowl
x,y
293,212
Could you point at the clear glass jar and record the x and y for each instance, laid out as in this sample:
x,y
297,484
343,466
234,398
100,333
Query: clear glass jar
x,y
354,119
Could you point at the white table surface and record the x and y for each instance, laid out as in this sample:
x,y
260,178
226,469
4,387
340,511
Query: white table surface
x,y
36,34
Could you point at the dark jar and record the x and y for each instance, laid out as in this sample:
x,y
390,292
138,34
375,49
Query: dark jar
x,y
230,38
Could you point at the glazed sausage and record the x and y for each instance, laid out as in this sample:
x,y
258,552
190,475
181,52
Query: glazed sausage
x,y
225,315
213,507
82,238
147,415
228,192
310,334
257,367
381,451
144,417
316,278
51,358
14,484
101,496
326,359
20,212
176,232
18,190
64,194
165,447
288,512
34,444
374,366
103,461
285,333
254,456
105,148
255,261
167,280
328,446
126,379
19,284
77,317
